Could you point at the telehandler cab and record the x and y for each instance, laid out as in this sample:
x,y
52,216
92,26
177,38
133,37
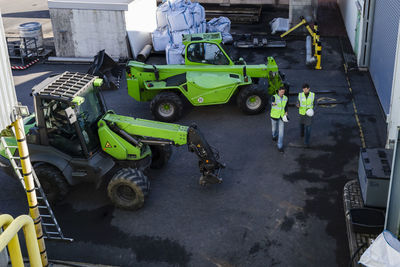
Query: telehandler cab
x,y
208,77
72,139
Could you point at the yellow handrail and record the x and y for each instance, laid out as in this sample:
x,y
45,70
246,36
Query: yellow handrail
x,y
10,238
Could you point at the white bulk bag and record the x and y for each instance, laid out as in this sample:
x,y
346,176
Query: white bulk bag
x,y
177,36
221,24
179,19
279,25
174,53
383,252
161,39
161,15
198,13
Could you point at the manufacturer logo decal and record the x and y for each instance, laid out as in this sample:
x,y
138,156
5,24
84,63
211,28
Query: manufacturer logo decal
x,y
200,100
108,145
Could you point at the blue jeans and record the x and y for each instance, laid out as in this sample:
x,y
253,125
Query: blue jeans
x,y
277,131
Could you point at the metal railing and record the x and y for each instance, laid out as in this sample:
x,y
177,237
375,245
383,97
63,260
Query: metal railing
x,y
9,238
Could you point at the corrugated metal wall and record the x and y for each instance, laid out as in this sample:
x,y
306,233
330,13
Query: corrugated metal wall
x,y
8,98
383,48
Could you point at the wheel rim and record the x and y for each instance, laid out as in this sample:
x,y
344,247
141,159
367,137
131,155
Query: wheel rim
x,y
166,109
126,193
253,102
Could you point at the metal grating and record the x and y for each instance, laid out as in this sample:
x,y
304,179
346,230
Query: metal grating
x,y
383,48
68,85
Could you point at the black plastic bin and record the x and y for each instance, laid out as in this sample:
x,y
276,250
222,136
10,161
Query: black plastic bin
x,y
367,221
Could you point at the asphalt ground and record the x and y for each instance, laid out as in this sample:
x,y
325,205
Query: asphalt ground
x,y
272,209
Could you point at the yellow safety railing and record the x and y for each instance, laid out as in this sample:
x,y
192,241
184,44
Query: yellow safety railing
x,y
9,238
30,186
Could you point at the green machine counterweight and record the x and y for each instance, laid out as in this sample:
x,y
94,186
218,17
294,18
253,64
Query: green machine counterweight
x,y
73,139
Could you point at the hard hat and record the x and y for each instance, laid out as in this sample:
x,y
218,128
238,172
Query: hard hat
x,y
285,118
310,112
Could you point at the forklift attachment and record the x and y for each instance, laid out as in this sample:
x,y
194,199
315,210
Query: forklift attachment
x,y
107,69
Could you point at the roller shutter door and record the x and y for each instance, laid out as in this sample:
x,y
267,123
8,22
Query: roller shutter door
x,y
383,48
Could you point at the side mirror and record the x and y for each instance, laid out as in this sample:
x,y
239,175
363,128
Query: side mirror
x,y
241,61
71,115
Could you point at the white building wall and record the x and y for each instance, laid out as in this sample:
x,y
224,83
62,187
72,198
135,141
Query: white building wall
x,y
349,11
8,98
393,118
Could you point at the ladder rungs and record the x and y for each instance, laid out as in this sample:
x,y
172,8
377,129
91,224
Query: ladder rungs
x,y
45,216
11,146
49,224
15,158
42,207
52,233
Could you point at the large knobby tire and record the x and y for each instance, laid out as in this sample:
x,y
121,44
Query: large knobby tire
x,y
128,188
52,181
167,107
160,155
252,99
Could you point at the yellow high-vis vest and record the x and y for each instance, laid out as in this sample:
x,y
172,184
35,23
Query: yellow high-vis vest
x,y
278,110
306,102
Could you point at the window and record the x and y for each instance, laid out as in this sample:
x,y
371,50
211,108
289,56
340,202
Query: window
x,y
206,53
61,134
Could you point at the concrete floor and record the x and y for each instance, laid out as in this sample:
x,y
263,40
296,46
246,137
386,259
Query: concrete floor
x,y
273,209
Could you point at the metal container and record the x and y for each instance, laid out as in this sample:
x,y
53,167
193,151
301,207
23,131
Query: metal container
x,y
31,30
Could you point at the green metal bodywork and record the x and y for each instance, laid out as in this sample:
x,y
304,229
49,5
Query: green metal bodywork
x,y
202,84
115,145
9,138
120,149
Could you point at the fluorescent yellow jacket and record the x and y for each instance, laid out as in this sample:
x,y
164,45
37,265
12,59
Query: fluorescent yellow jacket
x,y
306,102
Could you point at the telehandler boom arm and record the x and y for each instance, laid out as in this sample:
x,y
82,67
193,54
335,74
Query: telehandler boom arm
x,y
138,132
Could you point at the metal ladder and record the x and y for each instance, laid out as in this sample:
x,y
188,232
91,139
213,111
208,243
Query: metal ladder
x,y
51,228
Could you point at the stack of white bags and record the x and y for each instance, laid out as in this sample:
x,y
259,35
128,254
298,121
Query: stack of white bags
x,y
175,18
178,17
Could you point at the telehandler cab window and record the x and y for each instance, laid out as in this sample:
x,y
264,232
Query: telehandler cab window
x,y
61,134
89,112
206,53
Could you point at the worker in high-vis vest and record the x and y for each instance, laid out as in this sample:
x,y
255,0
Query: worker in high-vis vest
x,y
279,116
305,103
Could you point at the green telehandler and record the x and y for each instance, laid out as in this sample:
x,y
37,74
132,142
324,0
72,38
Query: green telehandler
x,y
208,77
72,139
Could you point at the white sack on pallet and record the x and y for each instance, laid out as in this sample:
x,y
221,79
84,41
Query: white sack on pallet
x,y
177,36
180,19
279,25
161,15
221,24
226,38
201,27
161,38
383,252
174,54
198,13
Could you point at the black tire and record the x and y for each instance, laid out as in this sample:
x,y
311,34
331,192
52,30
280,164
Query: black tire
x,y
128,188
160,156
252,99
52,181
166,106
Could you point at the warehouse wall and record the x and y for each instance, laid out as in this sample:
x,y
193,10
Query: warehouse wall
x,y
349,11
383,48
8,98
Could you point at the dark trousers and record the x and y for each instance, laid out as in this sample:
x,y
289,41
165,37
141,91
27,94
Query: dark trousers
x,y
305,130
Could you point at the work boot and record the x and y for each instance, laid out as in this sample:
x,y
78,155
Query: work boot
x,y
281,150
275,138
